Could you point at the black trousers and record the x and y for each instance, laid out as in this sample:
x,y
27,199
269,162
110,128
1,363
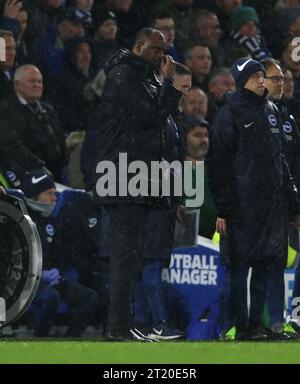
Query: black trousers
x,y
238,293
128,230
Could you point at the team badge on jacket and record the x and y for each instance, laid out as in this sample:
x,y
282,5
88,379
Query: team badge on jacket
x,y
272,120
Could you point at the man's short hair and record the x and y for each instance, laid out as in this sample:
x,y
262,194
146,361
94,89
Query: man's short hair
x,y
181,69
4,33
217,73
190,122
188,52
159,15
144,34
203,14
268,63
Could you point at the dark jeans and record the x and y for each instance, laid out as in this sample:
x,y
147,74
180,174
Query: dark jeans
x,y
128,224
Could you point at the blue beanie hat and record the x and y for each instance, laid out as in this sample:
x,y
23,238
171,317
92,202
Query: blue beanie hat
x,y
36,182
243,68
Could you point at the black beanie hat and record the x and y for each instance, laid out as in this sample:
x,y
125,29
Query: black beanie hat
x,y
99,19
243,68
36,182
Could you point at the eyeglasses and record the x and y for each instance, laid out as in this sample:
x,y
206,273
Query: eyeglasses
x,y
258,75
276,79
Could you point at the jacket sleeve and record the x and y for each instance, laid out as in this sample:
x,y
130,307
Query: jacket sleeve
x,y
290,189
294,163
122,81
220,161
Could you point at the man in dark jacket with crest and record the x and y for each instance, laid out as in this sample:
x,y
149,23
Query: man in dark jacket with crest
x,y
253,190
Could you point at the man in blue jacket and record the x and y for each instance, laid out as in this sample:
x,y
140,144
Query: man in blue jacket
x,y
253,192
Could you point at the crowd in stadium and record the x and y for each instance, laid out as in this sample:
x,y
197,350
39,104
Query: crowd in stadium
x,y
52,83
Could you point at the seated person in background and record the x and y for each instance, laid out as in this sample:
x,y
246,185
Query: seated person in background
x,y
34,121
40,198
245,33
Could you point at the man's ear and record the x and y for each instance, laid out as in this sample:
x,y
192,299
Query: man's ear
x,y
137,47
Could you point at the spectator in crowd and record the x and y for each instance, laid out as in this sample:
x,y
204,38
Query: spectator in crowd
x,y
290,53
223,9
206,29
35,122
288,84
105,37
7,66
198,58
164,22
182,13
245,33
71,22
281,25
251,184
137,123
288,98
220,83
130,18
41,15
40,198
22,49
84,5
66,90
286,3
196,103
10,16
197,144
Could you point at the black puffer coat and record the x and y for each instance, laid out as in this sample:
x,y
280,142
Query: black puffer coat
x,y
133,115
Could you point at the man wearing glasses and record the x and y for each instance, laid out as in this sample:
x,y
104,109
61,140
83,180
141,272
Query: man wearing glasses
x,y
252,187
275,298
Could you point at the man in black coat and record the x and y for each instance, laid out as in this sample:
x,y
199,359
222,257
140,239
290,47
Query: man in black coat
x,y
133,117
291,145
253,190
34,122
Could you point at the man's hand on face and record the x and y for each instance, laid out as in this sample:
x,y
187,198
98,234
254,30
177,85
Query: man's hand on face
x,y
168,67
